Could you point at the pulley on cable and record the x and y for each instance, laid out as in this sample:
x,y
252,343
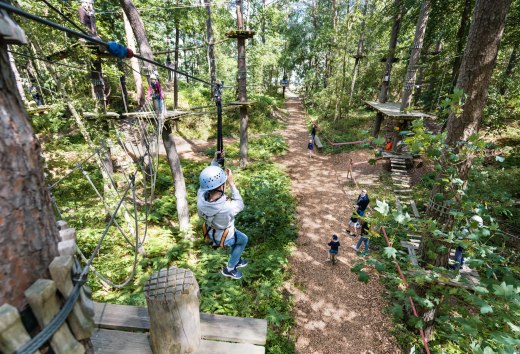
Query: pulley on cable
x,y
217,95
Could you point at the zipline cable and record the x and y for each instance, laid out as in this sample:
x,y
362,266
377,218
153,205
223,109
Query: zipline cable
x,y
65,17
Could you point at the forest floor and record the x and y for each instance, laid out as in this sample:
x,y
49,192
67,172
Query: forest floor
x,y
334,312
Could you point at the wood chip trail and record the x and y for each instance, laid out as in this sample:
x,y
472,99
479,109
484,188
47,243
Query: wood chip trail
x,y
334,312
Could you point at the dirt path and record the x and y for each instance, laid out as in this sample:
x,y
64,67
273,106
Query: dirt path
x,y
335,313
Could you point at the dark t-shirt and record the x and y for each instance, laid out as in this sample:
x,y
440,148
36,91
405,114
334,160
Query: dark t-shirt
x,y
364,229
334,245
310,146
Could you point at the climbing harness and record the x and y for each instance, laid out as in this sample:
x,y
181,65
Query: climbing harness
x,y
210,240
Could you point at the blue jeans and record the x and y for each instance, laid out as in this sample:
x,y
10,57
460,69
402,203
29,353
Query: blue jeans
x,y
361,240
158,105
236,247
459,257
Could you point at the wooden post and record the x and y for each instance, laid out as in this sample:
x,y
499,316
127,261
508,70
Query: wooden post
x,y
172,296
81,323
44,304
12,333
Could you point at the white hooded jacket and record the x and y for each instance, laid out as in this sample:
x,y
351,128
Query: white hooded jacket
x,y
220,214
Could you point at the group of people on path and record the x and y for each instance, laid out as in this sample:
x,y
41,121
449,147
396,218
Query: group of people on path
x,y
357,227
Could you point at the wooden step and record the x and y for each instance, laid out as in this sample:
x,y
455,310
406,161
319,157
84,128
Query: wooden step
x,y
213,327
107,341
414,209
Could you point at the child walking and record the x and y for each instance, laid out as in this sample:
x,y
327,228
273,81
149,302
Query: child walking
x,y
334,246
310,146
365,227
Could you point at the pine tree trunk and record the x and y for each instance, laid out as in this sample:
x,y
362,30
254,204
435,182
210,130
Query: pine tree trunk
x,y
29,236
359,53
513,60
211,44
19,84
179,183
176,65
420,31
385,85
462,35
242,89
171,150
134,63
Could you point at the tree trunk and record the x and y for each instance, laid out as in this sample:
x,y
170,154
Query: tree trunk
x,y
176,65
385,85
138,28
340,94
359,53
478,62
134,63
211,44
462,35
171,150
29,235
263,21
179,183
19,84
513,59
242,89
420,31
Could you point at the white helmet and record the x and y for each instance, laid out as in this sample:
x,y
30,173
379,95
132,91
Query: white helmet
x,y
477,219
153,77
212,177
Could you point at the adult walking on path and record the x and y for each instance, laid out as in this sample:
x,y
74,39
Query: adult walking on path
x,y
330,318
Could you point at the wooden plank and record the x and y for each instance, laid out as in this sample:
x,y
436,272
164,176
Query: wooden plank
x,y
398,205
233,329
107,341
215,327
121,317
317,141
212,347
414,209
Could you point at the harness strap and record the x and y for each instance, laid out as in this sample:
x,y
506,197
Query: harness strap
x,y
206,230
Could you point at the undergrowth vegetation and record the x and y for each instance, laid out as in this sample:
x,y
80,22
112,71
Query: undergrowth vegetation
x,y
268,220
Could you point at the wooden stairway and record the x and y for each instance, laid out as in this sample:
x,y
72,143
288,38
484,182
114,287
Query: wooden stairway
x,y
124,329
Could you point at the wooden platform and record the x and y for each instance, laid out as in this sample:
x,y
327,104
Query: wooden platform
x,y
317,141
240,103
124,329
393,109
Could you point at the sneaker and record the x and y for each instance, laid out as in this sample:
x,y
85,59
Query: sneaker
x,y
235,274
241,263
354,247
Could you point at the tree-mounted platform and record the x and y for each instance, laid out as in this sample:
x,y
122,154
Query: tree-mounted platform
x,y
241,103
109,115
394,60
168,114
393,110
240,34
39,109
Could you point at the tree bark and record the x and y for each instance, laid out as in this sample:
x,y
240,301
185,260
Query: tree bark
x,y
211,44
29,235
385,85
138,28
487,27
176,65
134,63
513,60
462,35
242,89
420,31
19,84
359,52
171,150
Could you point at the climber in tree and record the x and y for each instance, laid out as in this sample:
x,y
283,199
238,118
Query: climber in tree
x,y
156,93
218,212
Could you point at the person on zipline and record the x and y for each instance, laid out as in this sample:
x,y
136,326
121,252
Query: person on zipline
x,y
156,93
219,213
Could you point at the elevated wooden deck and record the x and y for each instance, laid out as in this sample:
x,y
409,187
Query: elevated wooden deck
x,y
393,109
124,329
